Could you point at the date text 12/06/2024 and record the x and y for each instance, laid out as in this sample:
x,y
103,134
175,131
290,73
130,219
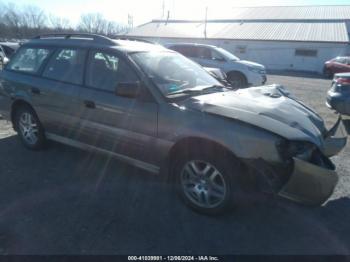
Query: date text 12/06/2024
x,y
173,258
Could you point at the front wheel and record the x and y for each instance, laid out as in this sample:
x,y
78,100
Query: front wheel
x,y
237,80
29,128
207,183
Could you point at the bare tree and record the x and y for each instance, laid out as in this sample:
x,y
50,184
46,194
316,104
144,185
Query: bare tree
x,y
95,23
59,23
92,23
12,17
34,17
18,22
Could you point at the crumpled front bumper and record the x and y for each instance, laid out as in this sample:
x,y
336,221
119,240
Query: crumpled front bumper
x,y
313,182
310,184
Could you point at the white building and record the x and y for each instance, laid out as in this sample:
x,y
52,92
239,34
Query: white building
x,y
284,37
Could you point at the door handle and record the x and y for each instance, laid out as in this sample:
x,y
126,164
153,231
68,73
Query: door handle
x,y
35,90
89,104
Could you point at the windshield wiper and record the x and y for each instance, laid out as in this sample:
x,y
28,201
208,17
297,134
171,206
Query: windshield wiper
x,y
194,90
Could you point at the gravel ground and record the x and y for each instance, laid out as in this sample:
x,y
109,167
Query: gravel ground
x,y
65,201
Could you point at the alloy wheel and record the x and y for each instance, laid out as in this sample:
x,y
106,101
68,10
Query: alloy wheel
x,y
29,128
203,184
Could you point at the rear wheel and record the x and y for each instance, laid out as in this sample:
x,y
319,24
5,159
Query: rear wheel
x,y
237,80
207,183
29,128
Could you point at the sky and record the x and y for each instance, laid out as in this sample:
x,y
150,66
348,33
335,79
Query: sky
x,y
146,10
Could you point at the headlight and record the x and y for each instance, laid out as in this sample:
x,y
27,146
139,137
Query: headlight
x,y
253,69
257,70
299,149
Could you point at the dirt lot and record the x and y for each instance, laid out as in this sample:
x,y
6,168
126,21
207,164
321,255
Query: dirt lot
x,y
65,201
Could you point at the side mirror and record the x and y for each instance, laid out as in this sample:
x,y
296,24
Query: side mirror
x,y
128,89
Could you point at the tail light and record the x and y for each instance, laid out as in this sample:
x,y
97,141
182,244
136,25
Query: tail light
x,y
342,81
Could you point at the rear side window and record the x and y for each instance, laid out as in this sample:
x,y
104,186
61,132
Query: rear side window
x,y
204,53
29,60
66,65
189,51
105,71
341,60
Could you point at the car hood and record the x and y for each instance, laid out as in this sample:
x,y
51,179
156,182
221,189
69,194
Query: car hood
x,y
250,64
269,107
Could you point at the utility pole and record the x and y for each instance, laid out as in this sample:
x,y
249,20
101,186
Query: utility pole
x,y
163,9
205,22
168,16
130,21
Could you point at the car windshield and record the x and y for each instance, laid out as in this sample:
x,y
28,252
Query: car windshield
x,y
227,54
174,73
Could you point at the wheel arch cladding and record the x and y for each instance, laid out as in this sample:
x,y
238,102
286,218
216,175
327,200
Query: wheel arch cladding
x,y
15,106
190,143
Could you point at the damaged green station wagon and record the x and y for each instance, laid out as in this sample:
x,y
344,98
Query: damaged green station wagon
x,y
155,109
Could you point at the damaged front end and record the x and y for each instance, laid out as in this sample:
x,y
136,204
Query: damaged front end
x,y
313,177
311,182
305,174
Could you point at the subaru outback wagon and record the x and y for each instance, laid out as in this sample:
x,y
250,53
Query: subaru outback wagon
x,y
155,109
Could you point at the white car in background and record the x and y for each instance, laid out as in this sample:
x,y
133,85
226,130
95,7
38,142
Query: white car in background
x,y
240,73
7,49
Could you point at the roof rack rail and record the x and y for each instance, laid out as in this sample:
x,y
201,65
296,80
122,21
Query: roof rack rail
x,y
96,38
123,37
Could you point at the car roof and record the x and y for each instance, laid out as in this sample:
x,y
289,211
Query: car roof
x,y
94,41
190,44
338,57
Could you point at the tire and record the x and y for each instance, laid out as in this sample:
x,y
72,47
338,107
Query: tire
x,y
237,80
213,192
29,128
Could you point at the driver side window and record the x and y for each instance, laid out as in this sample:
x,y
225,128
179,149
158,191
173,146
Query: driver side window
x,y
216,56
105,71
209,54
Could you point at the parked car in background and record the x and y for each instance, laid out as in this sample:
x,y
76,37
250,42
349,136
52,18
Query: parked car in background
x,y
7,49
155,109
339,64
218,74
240,73
338,97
